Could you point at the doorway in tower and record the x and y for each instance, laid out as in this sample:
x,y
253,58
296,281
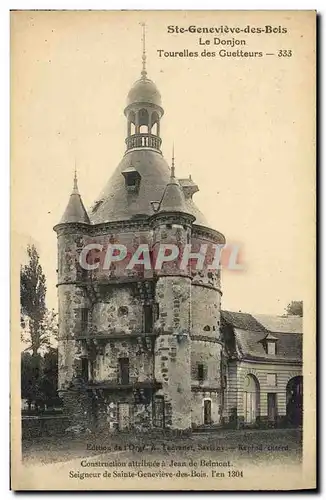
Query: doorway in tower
x,y
251,399
123,416
207,412
158,412
272,407
294,401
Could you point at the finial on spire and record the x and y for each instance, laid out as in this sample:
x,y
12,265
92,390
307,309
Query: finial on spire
x,y
75,189
75,211
173,167
144,72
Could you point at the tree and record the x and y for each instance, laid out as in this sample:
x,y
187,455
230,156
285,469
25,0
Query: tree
x,y
30,378
32,297
39,326
39,376
49,381
295,308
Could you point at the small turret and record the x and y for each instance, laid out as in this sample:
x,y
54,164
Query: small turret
x,y
75,211
173,199
172,225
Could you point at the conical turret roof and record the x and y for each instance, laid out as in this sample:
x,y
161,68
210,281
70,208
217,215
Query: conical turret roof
x,y
113,203
173,199
75,211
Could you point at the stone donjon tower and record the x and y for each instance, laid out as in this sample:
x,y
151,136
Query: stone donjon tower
x,y
139,348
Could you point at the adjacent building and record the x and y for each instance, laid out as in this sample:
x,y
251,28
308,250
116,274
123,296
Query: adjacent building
x,y
263,379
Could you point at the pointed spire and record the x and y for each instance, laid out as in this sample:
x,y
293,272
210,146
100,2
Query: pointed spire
x,y
172,167
173,199
75,188
144,72
75,211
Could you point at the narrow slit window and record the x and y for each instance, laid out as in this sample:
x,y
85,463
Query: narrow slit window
x,y
200,372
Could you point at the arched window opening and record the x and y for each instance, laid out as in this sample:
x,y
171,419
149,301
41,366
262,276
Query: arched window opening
x,y
207,411
251,399
155,129
143,129
294,401
132,117
131,123
143,117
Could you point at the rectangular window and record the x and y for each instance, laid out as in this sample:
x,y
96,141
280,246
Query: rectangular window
x,y
148,318
271,348
123,371
156,311
84,369
271,379
92,370
131,180
200,372
84,320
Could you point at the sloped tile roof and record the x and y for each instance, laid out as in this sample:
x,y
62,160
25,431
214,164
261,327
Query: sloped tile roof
x,y
283,324
251,345
115,204
249,335
244,321
173,199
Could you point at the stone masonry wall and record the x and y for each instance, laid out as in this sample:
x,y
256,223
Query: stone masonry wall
x,y
205,308
197,410
106,367
140,414
121,311
172,350
118,269
209,355
71,300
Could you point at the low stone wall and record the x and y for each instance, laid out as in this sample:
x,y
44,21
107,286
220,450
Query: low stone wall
x,y
45,425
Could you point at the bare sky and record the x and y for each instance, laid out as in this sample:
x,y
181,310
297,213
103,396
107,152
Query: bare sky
x,y
243,128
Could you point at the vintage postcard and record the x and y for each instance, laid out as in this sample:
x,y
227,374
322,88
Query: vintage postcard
x,y
163,170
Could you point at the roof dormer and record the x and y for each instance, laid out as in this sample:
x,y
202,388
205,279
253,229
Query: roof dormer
x,y
270,344
132,179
